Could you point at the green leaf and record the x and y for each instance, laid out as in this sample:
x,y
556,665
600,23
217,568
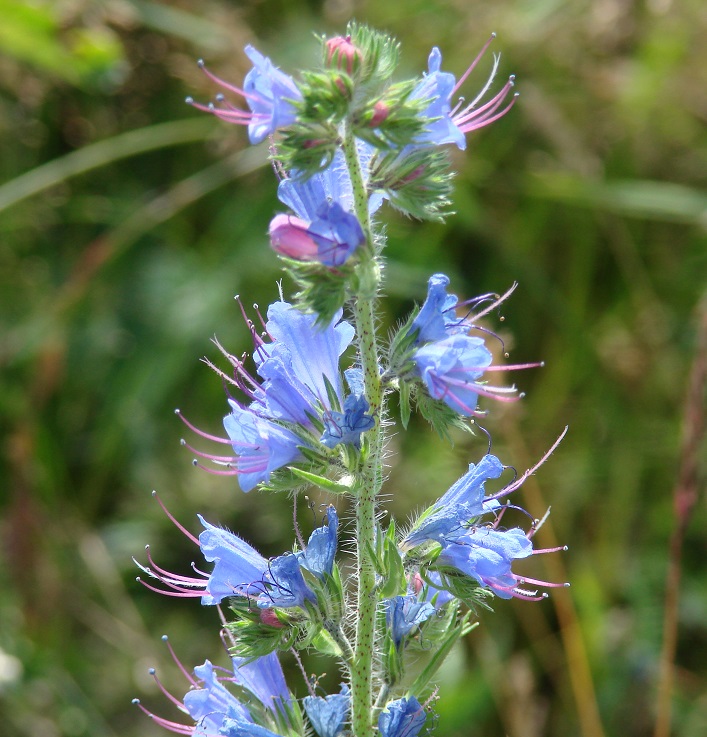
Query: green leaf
x,y
333,486
325,644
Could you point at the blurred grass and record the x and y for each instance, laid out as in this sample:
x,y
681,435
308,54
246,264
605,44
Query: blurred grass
x,y
129,225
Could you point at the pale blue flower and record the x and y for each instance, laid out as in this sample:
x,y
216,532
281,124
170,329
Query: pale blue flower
x,y
325,228
210,704
328,714
450,369
268,92
402,718
437,318
486,554
318,556
261,446
450,125
462,502
404,613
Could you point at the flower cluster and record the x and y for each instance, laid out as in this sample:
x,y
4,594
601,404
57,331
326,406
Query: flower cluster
x,y
295,402
308,410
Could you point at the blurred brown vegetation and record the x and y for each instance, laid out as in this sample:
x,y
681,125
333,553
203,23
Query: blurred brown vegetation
x,y
128,223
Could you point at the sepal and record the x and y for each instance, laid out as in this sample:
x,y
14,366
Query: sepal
x,y
322,290
417,181
392,120
379,55
307,147
392,569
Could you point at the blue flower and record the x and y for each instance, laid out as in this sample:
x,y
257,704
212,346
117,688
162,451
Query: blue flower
x,y
325,228
284,584
269,93
242,728
210,704
329,714
216,709
463,501
402,718
487,554
297,393
450,370
240,570
347,426
404,613
437,318
238,567
299,364
318,557
450,125
263,677
450,362
437,87
261,446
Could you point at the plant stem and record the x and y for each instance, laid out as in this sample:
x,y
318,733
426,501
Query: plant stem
x,y
369,477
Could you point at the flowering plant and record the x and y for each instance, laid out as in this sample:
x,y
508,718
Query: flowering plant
x,y
346,139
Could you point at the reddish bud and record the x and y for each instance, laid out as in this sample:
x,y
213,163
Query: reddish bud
x,y
342,54
290,237
268,616
380,113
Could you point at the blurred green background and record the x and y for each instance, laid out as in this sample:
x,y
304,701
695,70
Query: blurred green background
x,y
127,224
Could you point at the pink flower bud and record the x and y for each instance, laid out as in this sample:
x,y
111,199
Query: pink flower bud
x,y
343,54
289,237
268,616
380,113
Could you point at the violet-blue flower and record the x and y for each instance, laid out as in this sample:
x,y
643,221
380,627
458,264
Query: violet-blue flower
x,y
284,585
402,718
404,613
299,363
462,502
325,228
239,570
486,554
237,727
437,319
214,708
269,93
450,370
328,714
261,446
212,702
451,125
318,556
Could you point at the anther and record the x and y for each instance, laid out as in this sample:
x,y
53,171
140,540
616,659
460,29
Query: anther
x,y
164,638
177,411
151,671
182,441
189,100
194,462
220,97
136,702
200,63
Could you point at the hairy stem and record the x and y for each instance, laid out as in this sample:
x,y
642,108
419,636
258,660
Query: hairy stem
x,y
369,476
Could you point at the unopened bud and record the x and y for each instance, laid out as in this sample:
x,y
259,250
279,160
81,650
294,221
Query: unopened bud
x,y
289,236
268,616
342,54
380,113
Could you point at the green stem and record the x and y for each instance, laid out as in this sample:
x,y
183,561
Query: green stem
x,y
369,476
